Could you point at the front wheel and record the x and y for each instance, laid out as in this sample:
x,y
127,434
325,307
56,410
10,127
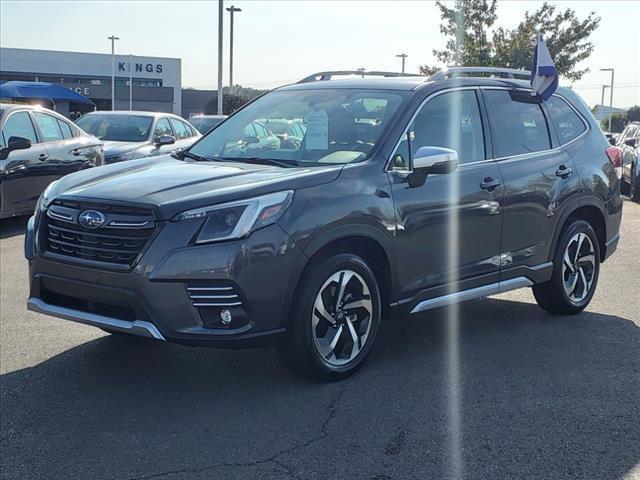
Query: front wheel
x,y
334,320
576,266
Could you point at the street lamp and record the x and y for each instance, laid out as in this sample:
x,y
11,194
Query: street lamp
x,y
131,81
403,56
231,10
220,23
113,39
610,94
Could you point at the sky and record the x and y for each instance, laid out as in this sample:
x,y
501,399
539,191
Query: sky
x,y
278,42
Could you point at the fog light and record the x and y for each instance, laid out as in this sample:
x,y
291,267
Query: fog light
x,y
225,316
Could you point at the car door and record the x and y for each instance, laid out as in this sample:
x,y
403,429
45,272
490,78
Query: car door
x,y
448,229
163,127
20,185
540,179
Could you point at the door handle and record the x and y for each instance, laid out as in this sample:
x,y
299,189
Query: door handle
x,y
43,156
563,171
76,151
490,184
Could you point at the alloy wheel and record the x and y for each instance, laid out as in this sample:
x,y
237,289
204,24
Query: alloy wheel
x,y
341,318
579,267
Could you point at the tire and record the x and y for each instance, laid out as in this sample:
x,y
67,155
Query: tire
x,y
573,282
320,341
634,188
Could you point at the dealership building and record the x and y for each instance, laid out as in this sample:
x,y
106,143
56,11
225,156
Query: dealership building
x,y
156,80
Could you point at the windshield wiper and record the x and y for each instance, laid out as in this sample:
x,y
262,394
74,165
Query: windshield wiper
x,y
198,158
262,161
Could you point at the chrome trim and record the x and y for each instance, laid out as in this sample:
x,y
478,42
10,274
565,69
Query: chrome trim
x,y
221,297
140,328
228,304
454,72
478,292
59,216
197,289
116,224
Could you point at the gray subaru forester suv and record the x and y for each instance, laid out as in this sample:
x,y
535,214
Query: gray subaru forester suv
x,y
405,194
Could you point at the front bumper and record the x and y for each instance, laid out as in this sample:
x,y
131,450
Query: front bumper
x,y
155,298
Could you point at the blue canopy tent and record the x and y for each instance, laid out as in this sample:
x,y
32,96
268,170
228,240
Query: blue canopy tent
x,y
41,91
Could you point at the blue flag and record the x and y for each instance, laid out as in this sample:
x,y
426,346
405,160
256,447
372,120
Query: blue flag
x,y
544,76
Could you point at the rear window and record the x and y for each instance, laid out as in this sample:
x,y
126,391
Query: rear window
x,y
520,126
566,121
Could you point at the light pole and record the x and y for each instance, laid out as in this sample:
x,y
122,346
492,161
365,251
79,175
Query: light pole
x,y
403,56
130,81
113,39
220,19
610,94
231,10
361,70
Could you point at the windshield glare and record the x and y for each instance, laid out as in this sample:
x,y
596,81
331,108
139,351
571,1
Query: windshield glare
x,y
339,126
204,124
118,128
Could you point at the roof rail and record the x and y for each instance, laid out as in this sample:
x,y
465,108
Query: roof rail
x,y
452,72
363,73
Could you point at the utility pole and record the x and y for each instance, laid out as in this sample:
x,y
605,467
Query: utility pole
x,y
130,81
220,23
113,39
403,56
610,94
231,10
361,70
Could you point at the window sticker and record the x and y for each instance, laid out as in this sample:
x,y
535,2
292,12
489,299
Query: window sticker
x,y
317,130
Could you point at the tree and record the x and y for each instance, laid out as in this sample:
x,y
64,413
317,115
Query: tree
x,y
633,114
618,122
230,103
466,25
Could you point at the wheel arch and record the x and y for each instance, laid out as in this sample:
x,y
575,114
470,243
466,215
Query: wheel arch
x,y
590,211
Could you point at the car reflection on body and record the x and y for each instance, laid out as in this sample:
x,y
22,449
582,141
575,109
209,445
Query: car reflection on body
x,y
129,134
290,132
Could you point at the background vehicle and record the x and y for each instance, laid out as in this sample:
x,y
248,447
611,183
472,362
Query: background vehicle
x,y
256,137
290,132
629,144
38,146
405,195
129,134
204,123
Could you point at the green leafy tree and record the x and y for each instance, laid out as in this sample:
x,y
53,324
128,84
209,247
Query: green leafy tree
x,y
618,122
466,27
230,103
633,114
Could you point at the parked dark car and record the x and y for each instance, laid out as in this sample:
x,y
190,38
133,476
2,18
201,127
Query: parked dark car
x,y
38,146
290,132
629,143
128,135
454,189
204,123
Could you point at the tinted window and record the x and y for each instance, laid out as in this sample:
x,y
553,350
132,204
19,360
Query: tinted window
x,y
451,120
519,127
66,129
180,129
19,125
567,123
48,126
162,128
117,127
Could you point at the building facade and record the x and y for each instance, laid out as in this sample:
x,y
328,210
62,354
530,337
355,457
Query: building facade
x,y
156,81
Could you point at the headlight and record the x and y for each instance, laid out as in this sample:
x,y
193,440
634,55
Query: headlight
x,y
43,200
238,219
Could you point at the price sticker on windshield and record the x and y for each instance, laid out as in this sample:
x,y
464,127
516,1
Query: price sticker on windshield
x,y
317,137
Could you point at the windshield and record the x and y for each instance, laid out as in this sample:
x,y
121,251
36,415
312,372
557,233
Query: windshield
x,y
204,124
337,126
119,128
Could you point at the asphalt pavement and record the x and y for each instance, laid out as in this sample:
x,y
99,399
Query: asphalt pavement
x,y
522,394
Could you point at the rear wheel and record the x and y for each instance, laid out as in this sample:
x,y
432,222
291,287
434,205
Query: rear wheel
x,y
334,320
576,266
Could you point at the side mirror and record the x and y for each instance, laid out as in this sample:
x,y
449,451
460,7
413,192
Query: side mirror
x,y
251,139
166,140
629,141
15,143
432,160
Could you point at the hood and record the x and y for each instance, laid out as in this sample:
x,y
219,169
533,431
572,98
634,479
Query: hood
x,y
172,186
113,148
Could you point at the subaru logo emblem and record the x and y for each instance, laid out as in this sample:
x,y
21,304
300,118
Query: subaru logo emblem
x,y
91,219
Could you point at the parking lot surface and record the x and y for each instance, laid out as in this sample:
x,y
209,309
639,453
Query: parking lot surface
x,y
537,396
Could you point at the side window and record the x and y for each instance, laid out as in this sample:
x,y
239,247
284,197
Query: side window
x,y
162,128
67,132
521,126
249,131
48,126
450,120
18,125
567,123
179,128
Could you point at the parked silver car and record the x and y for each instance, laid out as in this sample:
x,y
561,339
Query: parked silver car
x,y
629,143
130,134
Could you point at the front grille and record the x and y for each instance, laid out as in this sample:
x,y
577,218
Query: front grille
x,y
119,241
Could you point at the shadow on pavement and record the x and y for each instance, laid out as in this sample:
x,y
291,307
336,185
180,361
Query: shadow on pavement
x,y
541,397
10,227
